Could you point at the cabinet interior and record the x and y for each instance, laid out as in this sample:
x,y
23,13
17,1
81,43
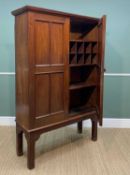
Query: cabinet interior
x,y
83,30
83,63
82,99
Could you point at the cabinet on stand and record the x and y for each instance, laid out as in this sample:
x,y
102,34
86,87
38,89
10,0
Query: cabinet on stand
x,y
59,73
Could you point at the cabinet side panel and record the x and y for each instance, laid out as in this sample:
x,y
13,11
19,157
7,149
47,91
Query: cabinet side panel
x,y
22,104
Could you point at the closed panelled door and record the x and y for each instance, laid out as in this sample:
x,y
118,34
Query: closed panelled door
x,y
51,37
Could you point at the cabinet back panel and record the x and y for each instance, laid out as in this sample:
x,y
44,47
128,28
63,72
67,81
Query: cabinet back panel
x,y
83,74
89,33
85,97
92,35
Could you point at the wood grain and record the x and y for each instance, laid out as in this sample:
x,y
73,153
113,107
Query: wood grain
x,y
50,93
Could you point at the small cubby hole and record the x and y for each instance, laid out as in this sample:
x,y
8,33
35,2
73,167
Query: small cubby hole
x,y
73,47
80,47
80,58
94,47
94,58
73,58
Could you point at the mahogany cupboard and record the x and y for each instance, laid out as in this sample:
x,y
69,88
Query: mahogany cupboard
x,y
59,73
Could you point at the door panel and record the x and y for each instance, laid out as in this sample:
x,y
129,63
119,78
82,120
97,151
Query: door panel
x,y
42,84
56,30
42,46
51,48
101,38
57,90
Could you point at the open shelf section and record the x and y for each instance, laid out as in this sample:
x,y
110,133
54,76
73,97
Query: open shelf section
x,y
86,98
81,77
83,52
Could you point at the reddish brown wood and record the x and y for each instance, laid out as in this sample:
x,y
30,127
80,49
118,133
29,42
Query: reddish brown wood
x,y
94,128
53,12
42,97
57,91
30,137
59,77
102,33
19,140
42,45
80,127
22,70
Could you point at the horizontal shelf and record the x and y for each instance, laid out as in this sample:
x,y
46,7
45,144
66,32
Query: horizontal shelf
x,y
79,40
80,65
73,52
82,109
81,85
83,53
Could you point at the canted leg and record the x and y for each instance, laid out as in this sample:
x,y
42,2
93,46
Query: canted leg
x,y
19,141
94,129
80,127
30,150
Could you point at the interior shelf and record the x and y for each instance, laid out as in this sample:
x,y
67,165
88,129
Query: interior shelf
x,y
82,65
82,109
81,85
83,40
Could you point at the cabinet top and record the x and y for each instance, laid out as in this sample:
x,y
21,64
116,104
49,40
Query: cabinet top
x,y
54,12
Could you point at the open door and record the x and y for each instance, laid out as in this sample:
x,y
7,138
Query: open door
x,y
101,38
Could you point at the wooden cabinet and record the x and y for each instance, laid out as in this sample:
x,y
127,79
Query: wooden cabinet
x,y
59,72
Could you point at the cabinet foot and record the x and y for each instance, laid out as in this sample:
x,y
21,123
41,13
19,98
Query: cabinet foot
x,y
80,127
31,139
19,141
94,128
30,150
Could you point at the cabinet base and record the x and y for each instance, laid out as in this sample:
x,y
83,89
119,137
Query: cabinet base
x,y
32,137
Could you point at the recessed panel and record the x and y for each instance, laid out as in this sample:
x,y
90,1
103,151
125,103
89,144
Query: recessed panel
x,y
57,92
42,95
57,43
42,48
